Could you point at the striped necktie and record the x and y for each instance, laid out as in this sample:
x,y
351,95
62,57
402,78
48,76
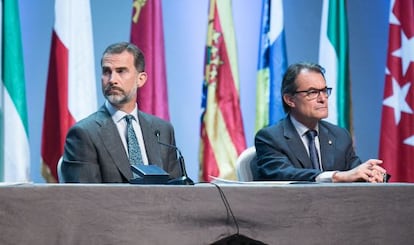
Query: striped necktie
x,y
313,153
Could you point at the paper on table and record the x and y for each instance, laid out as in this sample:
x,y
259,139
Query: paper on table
x,y
225,181
14,183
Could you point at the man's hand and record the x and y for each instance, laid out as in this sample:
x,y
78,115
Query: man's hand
x,y
369,171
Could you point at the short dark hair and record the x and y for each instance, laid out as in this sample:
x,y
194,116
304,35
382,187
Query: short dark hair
x,y
289,85
117,48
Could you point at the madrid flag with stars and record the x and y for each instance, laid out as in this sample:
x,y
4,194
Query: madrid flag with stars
x,y
397,125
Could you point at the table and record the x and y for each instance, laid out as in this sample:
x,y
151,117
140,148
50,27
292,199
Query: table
x,y
357,213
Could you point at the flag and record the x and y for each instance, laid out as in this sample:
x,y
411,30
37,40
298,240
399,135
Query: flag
x,y
71,82
14,131
271,66
222,133
333,56
148,34
397,122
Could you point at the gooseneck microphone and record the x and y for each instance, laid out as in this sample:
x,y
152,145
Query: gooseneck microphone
x,y
184,179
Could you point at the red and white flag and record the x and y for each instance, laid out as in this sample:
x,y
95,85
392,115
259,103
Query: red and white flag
x,y
147,33
397,125
71,82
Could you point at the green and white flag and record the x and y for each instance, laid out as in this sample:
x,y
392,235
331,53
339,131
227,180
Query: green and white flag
x,y
333,56
14,145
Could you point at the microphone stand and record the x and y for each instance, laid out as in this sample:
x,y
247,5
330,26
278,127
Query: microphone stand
x,y
184,179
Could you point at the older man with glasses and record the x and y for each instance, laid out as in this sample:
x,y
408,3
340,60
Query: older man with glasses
x,y
303,147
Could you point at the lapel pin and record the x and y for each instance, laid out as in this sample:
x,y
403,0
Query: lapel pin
x,y
330,142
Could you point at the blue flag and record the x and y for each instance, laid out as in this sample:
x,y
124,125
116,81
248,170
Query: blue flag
x,y
271,66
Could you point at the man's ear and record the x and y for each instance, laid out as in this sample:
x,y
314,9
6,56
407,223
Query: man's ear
x,y
289,100
142,79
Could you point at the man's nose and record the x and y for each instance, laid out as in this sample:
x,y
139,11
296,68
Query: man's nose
x,y
322,97
112,78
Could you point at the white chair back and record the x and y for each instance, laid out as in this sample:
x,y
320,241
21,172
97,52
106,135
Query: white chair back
x,y
59,170
244,172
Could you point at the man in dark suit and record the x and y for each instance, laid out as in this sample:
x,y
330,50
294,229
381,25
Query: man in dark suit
x,y
285,152
96,148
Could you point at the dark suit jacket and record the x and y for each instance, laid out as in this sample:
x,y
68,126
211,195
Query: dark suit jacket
x,y
94,152
281,155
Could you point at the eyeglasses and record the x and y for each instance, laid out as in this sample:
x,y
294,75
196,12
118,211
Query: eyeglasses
x,y
314,93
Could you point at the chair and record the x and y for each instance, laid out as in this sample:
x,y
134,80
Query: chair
x,y
59,170
244,172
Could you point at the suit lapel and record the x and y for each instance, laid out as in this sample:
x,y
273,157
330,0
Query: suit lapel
x,y
114,146
151,145
327,144
296,145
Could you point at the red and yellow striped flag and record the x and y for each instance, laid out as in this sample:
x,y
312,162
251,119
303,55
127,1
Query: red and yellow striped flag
x,y
222,132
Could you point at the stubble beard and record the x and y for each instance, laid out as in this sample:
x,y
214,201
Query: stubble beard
x,y
122,98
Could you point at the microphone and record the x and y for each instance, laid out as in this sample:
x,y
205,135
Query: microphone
x,y
184,179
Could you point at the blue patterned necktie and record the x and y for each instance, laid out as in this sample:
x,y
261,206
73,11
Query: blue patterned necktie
x,y
134,150
313,153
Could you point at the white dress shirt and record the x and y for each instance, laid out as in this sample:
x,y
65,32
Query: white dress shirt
x,y
302,129
119,119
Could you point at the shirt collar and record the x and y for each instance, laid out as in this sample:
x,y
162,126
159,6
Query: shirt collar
x,y
118,115
300,128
